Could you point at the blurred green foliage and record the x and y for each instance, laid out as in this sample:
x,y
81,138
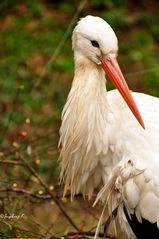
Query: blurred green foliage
x,y
33,92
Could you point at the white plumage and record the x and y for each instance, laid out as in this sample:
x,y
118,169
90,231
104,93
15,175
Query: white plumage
x,y
134,181
101,139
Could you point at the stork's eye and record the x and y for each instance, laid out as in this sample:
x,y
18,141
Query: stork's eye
x,y
95,43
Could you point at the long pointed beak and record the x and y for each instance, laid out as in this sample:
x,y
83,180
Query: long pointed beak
x,y
113,71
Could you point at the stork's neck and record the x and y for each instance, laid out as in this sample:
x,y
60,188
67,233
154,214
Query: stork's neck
x,y
89,75
84,119
87,97
88,91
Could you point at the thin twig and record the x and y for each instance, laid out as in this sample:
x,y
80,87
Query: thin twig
x,y
26,192
14,162
141,72
62,42
38,196
48,230
66,34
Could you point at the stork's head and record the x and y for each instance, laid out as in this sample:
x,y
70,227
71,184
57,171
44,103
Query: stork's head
x,y
95,39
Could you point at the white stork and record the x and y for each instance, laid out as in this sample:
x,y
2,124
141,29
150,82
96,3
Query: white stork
x,y
101,139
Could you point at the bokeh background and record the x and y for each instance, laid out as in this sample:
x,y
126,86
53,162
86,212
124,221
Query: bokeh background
x,y
36,71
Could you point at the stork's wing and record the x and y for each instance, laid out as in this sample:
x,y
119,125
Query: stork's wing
x,y
133,185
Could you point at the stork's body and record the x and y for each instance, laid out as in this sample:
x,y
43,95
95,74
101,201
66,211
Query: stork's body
x,y
99,134
133,184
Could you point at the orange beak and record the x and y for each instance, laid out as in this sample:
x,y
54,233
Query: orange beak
x,y
113,71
